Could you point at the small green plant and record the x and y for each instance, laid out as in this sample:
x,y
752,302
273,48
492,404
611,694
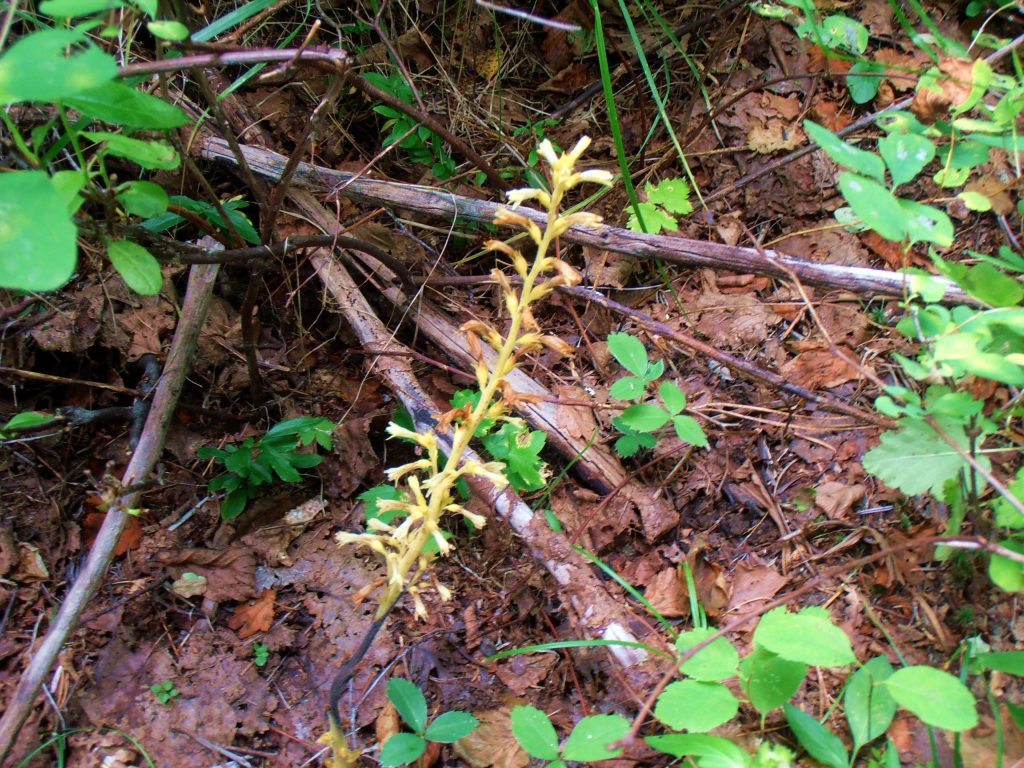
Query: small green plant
x,y
62,67
665,201
260,654
165,692
255,462
24,420
588,742
422,145
446,728
640,422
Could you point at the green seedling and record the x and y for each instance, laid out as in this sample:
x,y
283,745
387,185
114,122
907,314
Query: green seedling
x,y
254,463
165,692
405,748
260,654
665,201
640,422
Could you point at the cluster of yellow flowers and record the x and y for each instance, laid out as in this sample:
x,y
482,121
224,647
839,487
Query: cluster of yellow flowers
x,y
430,479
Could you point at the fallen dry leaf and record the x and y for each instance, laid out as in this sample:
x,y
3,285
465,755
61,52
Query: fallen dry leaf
x,y
521,673
774,136
257,616
386,725
230,573
189,585
818,369
131,537
835,498
8,551
713,589
754,584
666,594
492,744
31,566
731,320
954,89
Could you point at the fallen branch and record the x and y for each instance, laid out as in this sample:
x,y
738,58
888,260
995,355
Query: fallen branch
x,y
143,460
440,204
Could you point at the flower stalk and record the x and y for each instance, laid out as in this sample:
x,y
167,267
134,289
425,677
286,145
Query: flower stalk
x,y
428,483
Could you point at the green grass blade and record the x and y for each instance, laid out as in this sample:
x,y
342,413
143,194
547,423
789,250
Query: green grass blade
x,y
633,592
218,27
576,644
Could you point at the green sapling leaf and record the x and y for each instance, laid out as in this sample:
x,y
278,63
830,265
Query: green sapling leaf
x,y
654,219
868,706
535,733
718,661
644,417
671,194
589,740
138,267
630,353
410,703
847,155
37,237
689,430
906,155
720,752
672,396
820,743
402,749
769,680
451,726
935,697
786,634
120,104
37,67
143,199
693,705
628,388
876,205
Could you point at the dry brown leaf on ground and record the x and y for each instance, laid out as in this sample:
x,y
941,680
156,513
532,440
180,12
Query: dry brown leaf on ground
x,y
754,584
386,725
492,744
775,136
713,588
818,369
665,592
31,566
835,499
131,537
8,551
606,268
230,573
733,321
954,89
520,673
575,421
255,617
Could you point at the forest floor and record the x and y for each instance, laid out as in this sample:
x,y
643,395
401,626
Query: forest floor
x,y
779,495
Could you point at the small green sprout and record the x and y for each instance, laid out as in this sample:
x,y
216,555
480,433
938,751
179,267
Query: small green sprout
x,y
165,692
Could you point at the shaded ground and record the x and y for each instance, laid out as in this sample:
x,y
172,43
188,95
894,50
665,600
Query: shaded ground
x,y
779,495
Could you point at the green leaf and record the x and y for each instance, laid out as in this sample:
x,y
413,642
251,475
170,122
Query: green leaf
x,y
906,154
375,495
36,67
143,198
644,417
926,224
916,459
535,733
820,743
37,236
1005,573
148,154
843,32
808,637
975,201
935,697
451,726
167,30
410,703
863,80
402,749
875,205
986,283
655,219
632,441
689,430
234,504
846,155
66,9
589,740
1011,662
868,706
671,194
628,388
23,420
693,705
768,680
138,267
672,396
119,104
70,185
718,661
715,751
630,353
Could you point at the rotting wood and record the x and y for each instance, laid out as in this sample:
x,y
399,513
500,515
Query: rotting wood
x,y
440,204
143,460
